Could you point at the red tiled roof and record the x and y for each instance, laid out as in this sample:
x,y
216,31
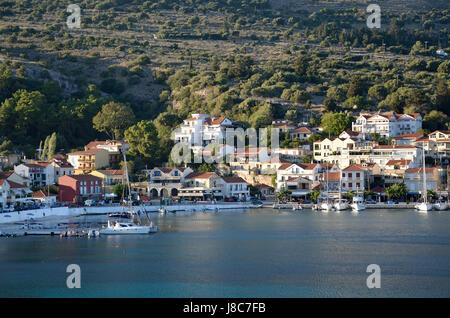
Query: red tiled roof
x,y
40,194
407,136
262,185
234,180
398,162
199,175
114,172
15,185
94,144
351,132
332,176
354,167
302,130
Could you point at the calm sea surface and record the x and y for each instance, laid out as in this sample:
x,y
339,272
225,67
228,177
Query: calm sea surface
x,y
252,253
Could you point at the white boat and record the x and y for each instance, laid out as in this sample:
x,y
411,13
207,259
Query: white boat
x,y
341,204
326,206
440,206
424,206
123,228
358,204
297,207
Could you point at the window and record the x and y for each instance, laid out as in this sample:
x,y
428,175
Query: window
x,y
349,175
358,175
350,185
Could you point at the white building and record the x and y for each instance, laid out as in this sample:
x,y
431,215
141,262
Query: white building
x,y
353,178
201,130
302,133
388,124
166,181
292,170
40,173
235,187
413,179
383,154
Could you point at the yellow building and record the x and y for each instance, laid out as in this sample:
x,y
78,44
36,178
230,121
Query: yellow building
x,y
88,160
110,177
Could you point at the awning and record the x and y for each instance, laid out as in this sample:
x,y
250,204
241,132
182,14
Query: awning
x,y
299,193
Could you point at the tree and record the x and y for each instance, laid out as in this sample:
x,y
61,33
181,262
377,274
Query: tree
x,y
314,195
113,119
442,97
356,87
118,190
378,92
330,104
335,123
51,146
435,120
283,195
143,140
397,191
301,65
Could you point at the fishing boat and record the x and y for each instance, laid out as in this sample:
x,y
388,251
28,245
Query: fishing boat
x,y
424,206
358,203
124,228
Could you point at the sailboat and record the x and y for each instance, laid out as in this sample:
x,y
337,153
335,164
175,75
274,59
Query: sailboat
x,y
125,228
440,205
340,204
327,205
424,206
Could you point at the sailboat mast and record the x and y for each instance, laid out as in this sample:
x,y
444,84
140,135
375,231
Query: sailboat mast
x,y
126,175
424,176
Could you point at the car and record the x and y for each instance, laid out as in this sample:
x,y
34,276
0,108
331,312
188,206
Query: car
x,y
229,200
89,202
370,201
306,202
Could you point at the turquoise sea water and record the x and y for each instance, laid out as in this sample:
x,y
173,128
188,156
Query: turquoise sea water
x,y
252,253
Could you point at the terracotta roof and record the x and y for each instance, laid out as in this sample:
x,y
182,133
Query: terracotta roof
x,y
94,144
2,181
15,185
37,164
302,130
408,136
199,175
332,176
113,172
284,166
276,160
6,174
41,194
308,166
234,180
398,162
354,167
351,132
297,179
262,185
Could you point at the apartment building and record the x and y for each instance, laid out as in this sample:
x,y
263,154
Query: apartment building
x,y
388,124
88,160
301,133
113,147
382,154
235,187
413,178
40,173
354,178
441,138
293,170
200,130
342,151
78,188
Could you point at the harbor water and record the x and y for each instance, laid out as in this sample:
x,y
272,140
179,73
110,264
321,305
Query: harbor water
x,y
241,253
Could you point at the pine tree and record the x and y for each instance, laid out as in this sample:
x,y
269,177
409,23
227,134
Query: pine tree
x,y
51,146
45,150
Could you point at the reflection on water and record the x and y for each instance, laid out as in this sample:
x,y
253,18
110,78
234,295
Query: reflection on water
x,y
246,253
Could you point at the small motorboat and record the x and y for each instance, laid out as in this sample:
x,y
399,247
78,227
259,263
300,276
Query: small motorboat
x,y
126,228
297,207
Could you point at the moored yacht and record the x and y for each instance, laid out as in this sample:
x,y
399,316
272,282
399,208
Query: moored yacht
x,y
341,204
358,204
424,206
440,205
121,228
